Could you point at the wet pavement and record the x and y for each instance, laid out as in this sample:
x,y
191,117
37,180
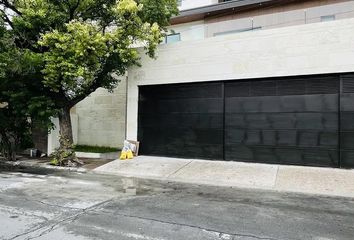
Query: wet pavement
x,y
49,204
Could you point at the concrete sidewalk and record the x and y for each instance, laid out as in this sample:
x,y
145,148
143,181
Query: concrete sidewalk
x,y
312,180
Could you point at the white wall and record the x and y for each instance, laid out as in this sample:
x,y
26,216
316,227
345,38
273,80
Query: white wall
x,y
53,136
305,49
101,117
98,120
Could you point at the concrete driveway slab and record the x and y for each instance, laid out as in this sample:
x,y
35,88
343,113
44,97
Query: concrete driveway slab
x,y
144,166
228,174
312,180
336,182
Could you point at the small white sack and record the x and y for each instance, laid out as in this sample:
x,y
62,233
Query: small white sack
x,y
129,146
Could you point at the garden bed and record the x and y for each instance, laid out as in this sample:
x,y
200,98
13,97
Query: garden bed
x,y
85,151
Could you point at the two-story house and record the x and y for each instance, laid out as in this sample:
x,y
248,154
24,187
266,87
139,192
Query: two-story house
x,y
265,81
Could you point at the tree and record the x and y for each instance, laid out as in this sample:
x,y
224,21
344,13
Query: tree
x,y
77,46
21,99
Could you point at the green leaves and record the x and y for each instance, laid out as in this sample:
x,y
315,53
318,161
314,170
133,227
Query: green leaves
x,y
54,53
70,48
127,7
74,57
159,11
81,54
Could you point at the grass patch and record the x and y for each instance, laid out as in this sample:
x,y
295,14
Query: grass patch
x,y
94,149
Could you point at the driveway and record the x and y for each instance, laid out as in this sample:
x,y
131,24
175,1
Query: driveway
x,y
58,205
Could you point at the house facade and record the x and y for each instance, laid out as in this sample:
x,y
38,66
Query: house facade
x,y
264,81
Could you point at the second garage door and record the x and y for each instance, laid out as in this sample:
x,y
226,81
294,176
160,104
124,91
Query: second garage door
x,y
288,121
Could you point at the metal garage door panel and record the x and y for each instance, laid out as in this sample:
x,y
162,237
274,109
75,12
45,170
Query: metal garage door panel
x,y
347,122
184,120
283,121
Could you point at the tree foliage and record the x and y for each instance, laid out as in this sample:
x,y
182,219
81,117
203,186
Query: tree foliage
x,y
54,53
21,99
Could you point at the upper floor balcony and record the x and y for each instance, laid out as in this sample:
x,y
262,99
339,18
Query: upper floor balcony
x,y
218,19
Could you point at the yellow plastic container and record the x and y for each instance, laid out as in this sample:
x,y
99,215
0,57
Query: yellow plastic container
x,y
123,155
130,154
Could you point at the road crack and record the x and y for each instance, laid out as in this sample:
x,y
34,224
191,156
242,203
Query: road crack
x,y
220,233
67,220
52,205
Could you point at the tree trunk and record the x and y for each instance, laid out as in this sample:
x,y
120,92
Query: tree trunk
x,y
65,131
65,155
8,146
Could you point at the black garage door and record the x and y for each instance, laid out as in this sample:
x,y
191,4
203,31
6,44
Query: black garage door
x,y
182,120
305,120
291,121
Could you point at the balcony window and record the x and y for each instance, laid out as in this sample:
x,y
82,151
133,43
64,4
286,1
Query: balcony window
x,y
236,31
328,18
172,38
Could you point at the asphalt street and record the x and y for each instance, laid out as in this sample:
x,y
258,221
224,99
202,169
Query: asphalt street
x,y
68,205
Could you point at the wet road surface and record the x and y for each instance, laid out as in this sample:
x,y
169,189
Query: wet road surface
x,y
63,205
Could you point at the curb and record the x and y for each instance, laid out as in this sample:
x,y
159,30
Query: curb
x,y
208,184
43,166
280,178
110,155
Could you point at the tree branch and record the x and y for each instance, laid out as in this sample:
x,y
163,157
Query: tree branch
x,y
88,91
72,10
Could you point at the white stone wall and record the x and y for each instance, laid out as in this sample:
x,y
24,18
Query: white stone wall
x,y
98,120
53,136
101,117
305,49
